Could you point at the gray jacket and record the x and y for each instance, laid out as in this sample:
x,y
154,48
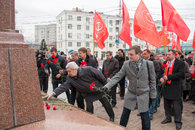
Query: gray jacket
x,y
139,89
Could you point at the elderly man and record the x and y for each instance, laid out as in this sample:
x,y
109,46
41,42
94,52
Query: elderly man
x,y
172,92
142,86
86,80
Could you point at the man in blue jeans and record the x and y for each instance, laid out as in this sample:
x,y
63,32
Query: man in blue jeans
x,y
140,88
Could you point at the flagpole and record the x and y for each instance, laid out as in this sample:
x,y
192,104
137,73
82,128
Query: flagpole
x,y
93,48
125,52
164,42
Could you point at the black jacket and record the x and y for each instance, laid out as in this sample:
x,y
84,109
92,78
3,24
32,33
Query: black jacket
x,y
173,91
85,76
121,60
41,70
89,60
111,66
55,68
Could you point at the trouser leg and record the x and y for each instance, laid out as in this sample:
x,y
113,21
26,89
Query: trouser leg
x,y
177,111
68,95
80,101
72,95
113,94
167,107
125,117
145,120
107,107
122,87
45,84
89,107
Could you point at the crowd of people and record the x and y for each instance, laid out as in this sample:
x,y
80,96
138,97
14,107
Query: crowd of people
x,y
150,77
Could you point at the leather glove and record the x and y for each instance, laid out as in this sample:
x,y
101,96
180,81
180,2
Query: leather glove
x,y
104,89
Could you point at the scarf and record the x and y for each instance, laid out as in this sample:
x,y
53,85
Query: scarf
x,y
170,70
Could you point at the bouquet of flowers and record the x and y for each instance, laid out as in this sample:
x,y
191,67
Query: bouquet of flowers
x,y
92,87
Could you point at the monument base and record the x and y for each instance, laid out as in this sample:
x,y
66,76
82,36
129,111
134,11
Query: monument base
x,y
11,39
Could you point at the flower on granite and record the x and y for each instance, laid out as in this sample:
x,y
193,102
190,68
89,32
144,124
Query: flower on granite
x,y
53,56
48,107
46,104
91,86
54,108
106,73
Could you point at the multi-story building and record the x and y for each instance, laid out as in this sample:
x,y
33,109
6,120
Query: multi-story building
x,y
47,32
75,30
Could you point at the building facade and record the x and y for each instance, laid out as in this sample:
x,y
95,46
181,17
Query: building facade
x,y
75,30
47,32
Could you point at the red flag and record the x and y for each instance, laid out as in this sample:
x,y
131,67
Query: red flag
x,y
164,38
125,31
193,44
173,42
144,27
166,9
178,47
178,26
100,32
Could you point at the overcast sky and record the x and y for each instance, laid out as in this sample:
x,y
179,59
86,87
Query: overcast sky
x,y
32,12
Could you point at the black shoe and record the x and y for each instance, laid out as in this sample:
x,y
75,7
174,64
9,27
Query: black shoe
x,y
112,119
166,121
178,126
193,112
122,98
138,114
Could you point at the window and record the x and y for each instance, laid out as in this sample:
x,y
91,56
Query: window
x,y
69,44
136,39
110,29
96,54
78,27
87,44
110,22
87,27
87,36
103,55
69,35
88,20
110,45
117,29
78,44
69,17
78,18
78,35
117,22
69,26
110,37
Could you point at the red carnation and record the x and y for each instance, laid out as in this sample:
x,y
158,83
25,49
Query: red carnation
x,y
53,56
91,86
46,104
164,65
106,73
41,64
176,54
55,60
48,107
54,108
49,61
